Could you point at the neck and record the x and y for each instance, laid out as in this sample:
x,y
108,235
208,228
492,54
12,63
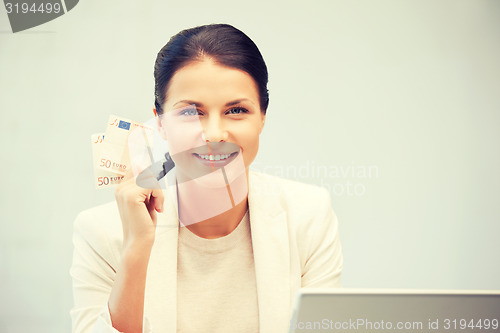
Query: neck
x,y
211,209
220,225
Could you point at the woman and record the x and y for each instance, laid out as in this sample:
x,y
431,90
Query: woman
x,y
228,249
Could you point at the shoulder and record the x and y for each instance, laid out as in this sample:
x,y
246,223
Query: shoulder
x,y
304,212
103,218
100,228
304,204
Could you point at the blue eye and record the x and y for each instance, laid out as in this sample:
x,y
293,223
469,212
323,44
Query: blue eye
x,y
189,112
237,110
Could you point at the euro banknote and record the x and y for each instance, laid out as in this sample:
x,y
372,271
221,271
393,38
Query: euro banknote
x,y
114,155
102,178
111,150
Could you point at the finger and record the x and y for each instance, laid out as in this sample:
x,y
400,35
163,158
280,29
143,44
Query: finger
x,y
159,199
150,204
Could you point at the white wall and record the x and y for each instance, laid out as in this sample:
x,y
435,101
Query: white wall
x,y
406,90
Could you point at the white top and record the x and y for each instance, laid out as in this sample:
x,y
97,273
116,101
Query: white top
x,y
216,288
295,243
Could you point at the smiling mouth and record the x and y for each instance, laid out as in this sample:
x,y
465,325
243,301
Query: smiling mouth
x,y
215,157
216,154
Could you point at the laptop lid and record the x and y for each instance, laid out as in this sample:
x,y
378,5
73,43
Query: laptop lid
x,y
396,310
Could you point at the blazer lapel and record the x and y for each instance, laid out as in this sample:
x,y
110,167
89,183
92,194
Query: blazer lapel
x,y
271,254
271,249
161,281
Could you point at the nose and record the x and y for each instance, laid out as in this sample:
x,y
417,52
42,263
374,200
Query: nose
x,y
214,131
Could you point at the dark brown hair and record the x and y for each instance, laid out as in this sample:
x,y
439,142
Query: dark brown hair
x,y
222,43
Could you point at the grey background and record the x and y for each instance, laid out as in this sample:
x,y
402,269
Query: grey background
x,y
408,88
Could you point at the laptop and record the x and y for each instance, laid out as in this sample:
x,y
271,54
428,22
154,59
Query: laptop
x,y
396,310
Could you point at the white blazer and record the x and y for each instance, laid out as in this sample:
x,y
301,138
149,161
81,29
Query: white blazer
x,y
295,243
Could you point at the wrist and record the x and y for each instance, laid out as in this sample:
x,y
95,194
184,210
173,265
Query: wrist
x,y
137,248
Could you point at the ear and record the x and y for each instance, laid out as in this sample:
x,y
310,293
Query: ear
x,y
161,129
263,121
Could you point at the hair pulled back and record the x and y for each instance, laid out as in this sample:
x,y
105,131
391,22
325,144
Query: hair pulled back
x,y
222,43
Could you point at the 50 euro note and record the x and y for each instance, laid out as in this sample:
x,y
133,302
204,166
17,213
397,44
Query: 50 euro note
x,y
115,155
125,141
102,178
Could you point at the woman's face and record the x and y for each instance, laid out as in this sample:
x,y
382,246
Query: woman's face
x,y
212,110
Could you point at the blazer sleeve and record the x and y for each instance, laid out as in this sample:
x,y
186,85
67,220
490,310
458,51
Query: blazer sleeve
x,y
324,262
93,272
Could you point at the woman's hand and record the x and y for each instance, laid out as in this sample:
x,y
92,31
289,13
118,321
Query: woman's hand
x,y
138,207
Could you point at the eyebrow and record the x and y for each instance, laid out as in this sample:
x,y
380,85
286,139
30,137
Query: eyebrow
x,y
198,104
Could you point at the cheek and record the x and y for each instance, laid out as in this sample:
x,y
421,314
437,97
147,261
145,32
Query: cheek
x,y
249,142
182,136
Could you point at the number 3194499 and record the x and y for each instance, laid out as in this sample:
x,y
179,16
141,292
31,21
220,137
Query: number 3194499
x,y
462,324
25,8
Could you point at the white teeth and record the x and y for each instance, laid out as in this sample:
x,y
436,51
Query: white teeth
x,y
214,157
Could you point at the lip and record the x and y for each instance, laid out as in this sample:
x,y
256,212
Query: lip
x,y
214,163
216,148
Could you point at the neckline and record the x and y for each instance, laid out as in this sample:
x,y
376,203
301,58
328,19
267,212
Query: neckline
x,y
224,243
